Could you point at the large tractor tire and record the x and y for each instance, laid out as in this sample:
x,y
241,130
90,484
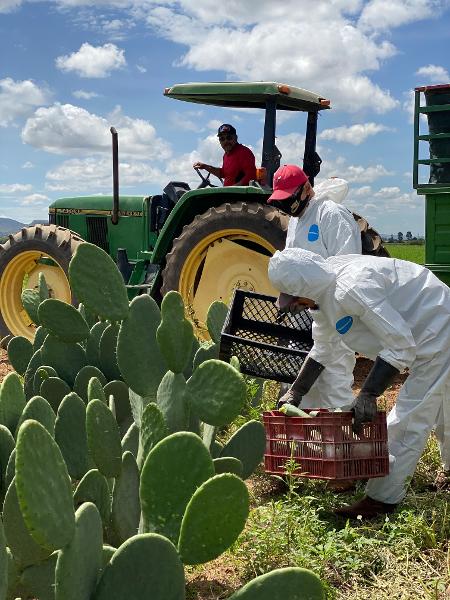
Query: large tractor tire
x,y
225,248
38,249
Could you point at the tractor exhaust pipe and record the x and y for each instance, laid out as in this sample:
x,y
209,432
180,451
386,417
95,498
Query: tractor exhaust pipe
x,y
115,157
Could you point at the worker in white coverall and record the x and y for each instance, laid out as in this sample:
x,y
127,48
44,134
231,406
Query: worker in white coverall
x,y
321,224
395,312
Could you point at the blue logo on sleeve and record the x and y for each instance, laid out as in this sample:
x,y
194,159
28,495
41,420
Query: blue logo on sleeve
x,y
344,324
313,233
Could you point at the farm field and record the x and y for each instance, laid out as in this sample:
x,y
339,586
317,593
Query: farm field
x,y
413,252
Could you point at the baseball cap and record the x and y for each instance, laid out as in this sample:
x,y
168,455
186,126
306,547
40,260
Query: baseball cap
x,y
286,181
226,128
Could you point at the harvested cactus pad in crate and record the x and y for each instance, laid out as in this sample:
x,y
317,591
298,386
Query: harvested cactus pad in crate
x,y
325,447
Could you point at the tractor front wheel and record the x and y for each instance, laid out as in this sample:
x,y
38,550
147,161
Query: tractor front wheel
x,y
225,248
38,249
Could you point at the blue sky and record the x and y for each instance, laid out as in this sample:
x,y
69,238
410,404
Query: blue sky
x,y
69,69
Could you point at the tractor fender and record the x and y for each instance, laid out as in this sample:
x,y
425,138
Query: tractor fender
x,y
197,202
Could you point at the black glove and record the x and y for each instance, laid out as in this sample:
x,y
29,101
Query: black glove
x,y
306,378
364,408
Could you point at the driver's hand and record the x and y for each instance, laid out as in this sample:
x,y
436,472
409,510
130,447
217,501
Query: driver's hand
x,y
199,165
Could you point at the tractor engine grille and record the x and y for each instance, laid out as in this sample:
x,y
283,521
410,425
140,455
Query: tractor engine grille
x,y
52,219
62,220
97,229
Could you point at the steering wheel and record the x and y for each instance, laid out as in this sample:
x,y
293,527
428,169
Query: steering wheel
x,y
205,180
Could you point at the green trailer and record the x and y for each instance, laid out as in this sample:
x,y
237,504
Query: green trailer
x,y
202,242
431,175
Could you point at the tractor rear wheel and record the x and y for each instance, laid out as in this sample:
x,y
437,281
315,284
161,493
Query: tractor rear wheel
x,y
225,248
38,249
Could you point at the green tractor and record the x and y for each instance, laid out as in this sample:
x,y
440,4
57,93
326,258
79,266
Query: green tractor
x,y
202,242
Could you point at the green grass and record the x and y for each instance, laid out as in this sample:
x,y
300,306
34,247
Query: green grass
x,y
413,252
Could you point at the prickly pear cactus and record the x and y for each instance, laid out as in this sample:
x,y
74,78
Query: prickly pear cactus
x,y
63,321
3,563
103,438
40,410
30,302
42,373
83,378
126,507
70,435
20,351
12,401
164,499
97,283
215,319
156,567
153,430
93,487
38,581
214,518
228,465
80,561
216,392
43,487
108,354
138,355
175,335
66,358
291,583
247,444
172,401
53,390
93,343
95,390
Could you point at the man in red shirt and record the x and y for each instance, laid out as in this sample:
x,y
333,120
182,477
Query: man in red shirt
x,y
238,167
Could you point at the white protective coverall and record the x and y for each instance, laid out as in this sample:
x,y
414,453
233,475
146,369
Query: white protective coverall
x,y
328,229
382,307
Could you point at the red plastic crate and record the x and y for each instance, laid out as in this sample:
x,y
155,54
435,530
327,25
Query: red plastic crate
x,y
325,447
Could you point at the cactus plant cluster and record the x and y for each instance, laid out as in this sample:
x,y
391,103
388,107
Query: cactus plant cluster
x,y
111,479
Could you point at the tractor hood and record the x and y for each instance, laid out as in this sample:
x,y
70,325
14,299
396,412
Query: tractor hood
x,y
130,206
241,94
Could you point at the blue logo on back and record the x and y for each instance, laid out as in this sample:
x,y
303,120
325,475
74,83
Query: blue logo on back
x,y
313,233
344,324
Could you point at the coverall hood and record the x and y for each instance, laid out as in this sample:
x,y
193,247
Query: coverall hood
x,y
301,273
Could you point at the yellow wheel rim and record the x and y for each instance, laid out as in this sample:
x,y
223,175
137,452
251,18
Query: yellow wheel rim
x,y
223,261
23,272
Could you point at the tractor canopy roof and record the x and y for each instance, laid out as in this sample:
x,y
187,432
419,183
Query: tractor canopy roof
x,y
240,94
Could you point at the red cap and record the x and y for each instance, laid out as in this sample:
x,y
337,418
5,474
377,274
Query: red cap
x,y
286,181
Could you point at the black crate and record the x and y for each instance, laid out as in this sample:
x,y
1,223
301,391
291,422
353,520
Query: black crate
x,y
268,344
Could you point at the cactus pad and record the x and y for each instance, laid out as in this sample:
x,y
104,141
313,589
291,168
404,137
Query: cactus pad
x,y
3,564
70,435
228,465
63,321
214,518
108,353
93,343
97,282
138,355
43,487
291,583
217,313
39,580
42,373
248,444
53,390
126,507
82,381
153,430
121,394
175,335
164,499
40,410
80,561
20,351
103,438
30,302
216,392
156,567
171,400
94,488
12,401
130,440
95,390
67,359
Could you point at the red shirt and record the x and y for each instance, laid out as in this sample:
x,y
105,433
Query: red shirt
x,y
238,165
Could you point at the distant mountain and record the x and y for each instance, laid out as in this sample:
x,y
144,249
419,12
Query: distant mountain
x,y
8,226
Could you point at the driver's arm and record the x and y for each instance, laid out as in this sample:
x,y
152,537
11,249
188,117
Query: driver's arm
x,y
216,171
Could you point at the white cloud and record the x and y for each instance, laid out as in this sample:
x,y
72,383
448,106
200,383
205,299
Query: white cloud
x,y
85,95
353,134
71,130
434,73
365,190
141,69
333,62
360,174
79,175
7,6
19,99
387,14
14,188
28,165
35,199
93,61
388,192
190,120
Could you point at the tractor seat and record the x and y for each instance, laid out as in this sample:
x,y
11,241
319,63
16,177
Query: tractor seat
x,y
161,205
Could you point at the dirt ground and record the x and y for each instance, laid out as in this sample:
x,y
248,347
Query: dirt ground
x,y
5,367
